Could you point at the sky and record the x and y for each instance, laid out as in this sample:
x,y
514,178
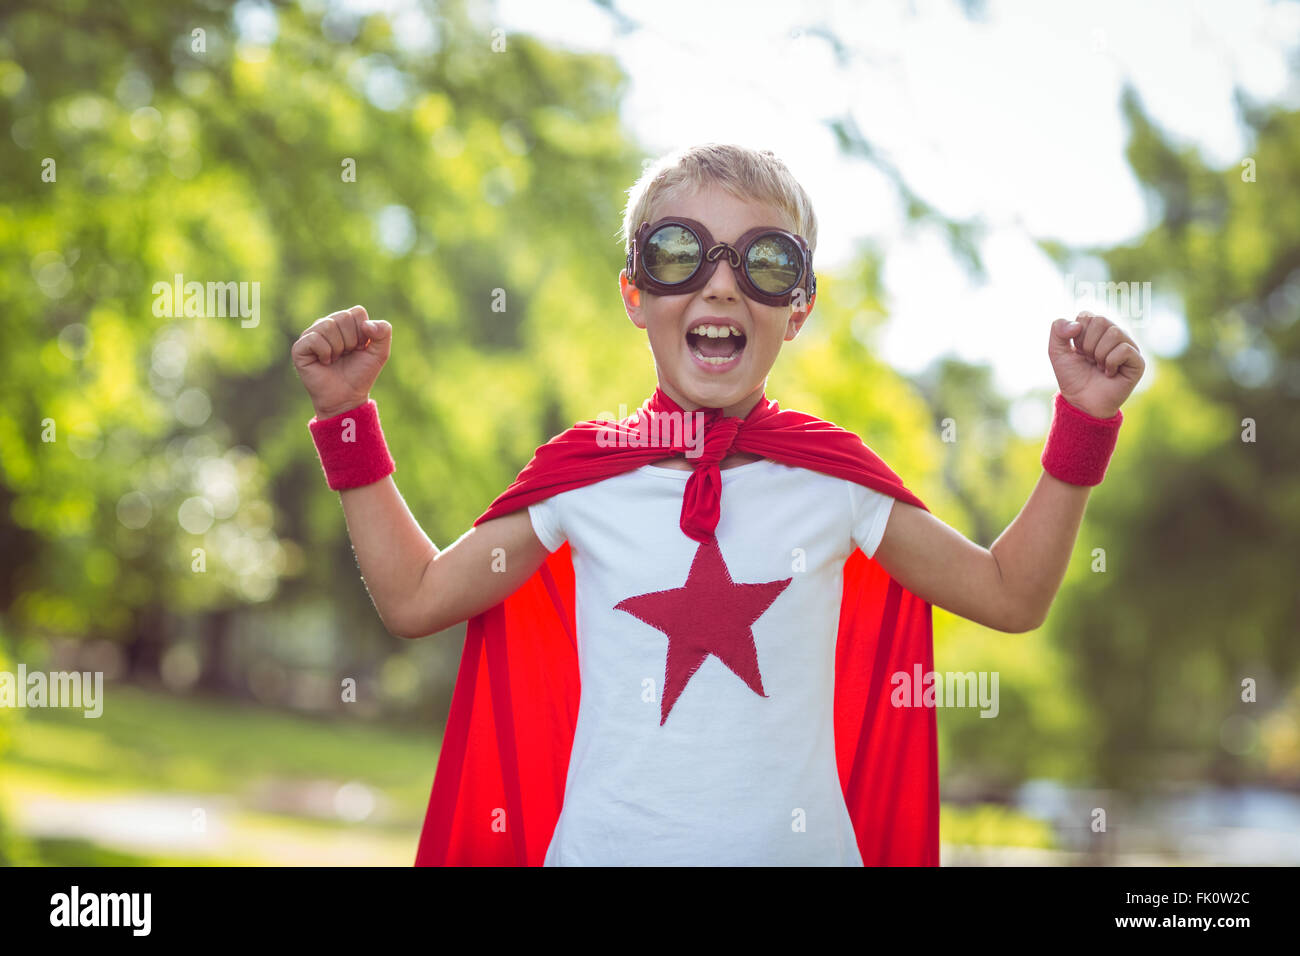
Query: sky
x,y
1011,118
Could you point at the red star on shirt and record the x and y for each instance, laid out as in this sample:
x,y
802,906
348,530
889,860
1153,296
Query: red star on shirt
x,y
709,614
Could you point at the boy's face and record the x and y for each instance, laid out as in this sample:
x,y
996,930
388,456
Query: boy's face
x,y
726,372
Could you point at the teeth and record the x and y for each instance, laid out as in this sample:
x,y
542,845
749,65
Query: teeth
x,y
717,331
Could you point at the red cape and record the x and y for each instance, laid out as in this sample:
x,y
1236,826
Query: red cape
x,y
499,785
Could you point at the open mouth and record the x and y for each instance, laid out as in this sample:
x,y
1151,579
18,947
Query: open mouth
x,y
716,343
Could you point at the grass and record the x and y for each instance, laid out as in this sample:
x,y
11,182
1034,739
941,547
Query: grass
x,y
153,741
85,853
989,824
233,755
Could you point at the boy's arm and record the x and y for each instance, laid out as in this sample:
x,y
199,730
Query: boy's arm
x,y
1010,586
420,590
416,589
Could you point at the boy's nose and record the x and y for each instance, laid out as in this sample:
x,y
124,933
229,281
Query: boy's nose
x,y
723,281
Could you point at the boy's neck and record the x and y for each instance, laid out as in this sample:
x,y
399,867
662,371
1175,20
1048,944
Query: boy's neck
x,y
739,410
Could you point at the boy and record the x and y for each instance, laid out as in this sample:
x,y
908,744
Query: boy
x,y
697,566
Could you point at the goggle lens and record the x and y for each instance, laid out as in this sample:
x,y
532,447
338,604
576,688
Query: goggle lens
x,y
672,254
773,264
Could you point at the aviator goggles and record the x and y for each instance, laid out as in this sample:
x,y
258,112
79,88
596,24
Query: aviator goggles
x,y
676,255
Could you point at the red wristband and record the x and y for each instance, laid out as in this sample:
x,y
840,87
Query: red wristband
x,y
352,448
1079,445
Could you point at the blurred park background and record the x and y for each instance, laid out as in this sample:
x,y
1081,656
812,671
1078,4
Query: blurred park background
x,y
164,520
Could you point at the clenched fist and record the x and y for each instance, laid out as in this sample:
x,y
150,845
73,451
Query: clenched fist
x,y
339,357
1099,372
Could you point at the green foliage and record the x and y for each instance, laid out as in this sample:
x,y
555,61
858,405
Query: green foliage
x,y
496,171
1199,521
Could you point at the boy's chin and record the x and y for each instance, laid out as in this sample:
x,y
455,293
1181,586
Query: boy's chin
x,y
713,394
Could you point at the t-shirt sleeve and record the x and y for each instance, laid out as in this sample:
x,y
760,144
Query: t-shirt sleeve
x,y
871,511
545,516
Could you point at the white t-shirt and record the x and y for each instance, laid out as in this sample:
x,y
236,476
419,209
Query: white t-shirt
x,y
727,777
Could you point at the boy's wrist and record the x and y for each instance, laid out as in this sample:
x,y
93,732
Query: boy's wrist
x,y
330,411
1107,415
1079,445
351,447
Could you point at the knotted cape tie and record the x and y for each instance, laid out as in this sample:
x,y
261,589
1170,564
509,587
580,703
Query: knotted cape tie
x,y
702,500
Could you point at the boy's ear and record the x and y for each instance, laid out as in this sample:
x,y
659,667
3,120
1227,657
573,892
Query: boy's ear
x,y
797,319
631,300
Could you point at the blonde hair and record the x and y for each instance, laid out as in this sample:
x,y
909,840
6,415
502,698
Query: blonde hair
x,y
756,175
